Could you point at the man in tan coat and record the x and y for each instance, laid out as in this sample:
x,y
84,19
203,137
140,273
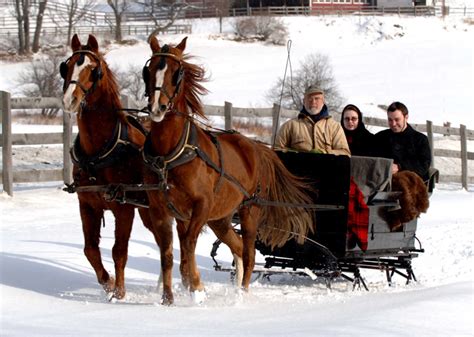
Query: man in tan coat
x,y
313,130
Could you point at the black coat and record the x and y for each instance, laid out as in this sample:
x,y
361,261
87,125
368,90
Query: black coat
x,y
361,141
409,149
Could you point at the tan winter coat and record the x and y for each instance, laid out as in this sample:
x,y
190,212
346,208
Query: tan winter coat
x,y
302,134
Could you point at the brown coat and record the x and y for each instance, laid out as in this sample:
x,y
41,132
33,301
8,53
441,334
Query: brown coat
x,y
302,134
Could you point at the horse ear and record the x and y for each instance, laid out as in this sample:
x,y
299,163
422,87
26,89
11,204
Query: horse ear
x,y
182,45
92,42
154,45
75,43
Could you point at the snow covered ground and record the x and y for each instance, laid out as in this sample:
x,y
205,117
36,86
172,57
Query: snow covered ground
x,y
48,288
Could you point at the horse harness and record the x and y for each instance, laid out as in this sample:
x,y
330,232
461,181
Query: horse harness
x,y
186,150
116,149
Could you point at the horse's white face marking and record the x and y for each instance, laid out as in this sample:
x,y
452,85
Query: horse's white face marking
x,y
70,102
156,114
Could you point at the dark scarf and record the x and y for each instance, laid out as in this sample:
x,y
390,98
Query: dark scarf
x,y
316,118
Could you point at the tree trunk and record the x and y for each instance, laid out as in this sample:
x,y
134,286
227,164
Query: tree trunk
x,y
118,28
26,24
19,18
39,24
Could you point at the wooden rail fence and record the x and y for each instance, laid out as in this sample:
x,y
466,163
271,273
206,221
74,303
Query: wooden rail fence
x,y
7,139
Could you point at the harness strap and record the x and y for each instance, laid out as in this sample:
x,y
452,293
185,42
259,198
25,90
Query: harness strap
x,y
229,177
186,150
107,157
221,162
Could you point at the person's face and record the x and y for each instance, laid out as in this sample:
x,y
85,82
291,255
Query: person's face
x,y
350,120
314,103
396,121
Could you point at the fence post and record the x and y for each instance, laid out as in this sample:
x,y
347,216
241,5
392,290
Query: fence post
x,y
67,142
462,131
227,115
429,134
7,166
275,121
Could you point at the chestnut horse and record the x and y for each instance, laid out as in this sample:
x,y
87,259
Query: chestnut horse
x,y
208,176
106,152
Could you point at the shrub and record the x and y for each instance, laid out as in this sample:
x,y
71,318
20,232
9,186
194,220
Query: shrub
x,y
131,82
41,79
261,28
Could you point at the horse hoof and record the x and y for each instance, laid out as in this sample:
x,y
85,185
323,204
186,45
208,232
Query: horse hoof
x,y
119,293
198,296
109,285
167,299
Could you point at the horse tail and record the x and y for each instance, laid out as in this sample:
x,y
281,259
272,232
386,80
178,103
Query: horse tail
x,y
280,223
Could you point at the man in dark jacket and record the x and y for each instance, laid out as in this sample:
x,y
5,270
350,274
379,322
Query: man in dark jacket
x,y
409,149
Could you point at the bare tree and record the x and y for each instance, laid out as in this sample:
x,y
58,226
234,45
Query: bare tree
x,y
131,82
162,13
119,7
22,11
41,78
75,10
18,14
316,70
39,24
26,24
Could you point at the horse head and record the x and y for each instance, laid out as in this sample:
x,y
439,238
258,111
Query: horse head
x,y
163,74
81,72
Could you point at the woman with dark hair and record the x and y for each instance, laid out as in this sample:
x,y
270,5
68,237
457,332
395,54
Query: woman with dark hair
x,y
360,139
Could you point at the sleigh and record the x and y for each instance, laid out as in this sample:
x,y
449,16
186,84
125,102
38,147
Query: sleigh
x,y
336,249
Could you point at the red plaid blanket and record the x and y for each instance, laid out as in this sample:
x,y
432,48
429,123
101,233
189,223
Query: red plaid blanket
x,y
357,218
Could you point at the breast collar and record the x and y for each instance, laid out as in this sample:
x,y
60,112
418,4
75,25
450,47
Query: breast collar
x,y
184,152
113,151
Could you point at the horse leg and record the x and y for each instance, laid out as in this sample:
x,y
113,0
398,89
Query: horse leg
x,y
91,218
198,219
184,265
146,219
162,225
124,215
226,233
248,217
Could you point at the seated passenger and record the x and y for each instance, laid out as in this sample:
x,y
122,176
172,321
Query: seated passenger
x,y
409,149
313,130
411,154
360,140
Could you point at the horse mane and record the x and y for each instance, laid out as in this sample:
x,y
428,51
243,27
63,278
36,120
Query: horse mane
x,y
191,87
112,88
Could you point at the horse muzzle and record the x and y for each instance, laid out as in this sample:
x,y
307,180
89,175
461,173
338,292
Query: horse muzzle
x,y
158,110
